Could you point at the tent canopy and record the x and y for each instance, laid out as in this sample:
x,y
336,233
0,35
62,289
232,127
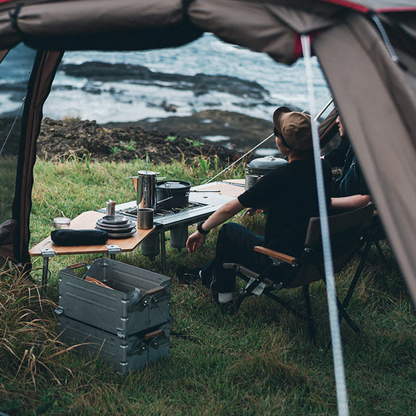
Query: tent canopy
x,y
366,48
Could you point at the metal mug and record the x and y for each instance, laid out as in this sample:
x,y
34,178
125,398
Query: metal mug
x,y
110,207
251,180
145,218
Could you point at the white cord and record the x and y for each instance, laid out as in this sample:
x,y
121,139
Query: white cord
x,y
340,382
11,128
267,138
232,164
316,102
324,109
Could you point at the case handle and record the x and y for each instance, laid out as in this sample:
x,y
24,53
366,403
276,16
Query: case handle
x,y
78,265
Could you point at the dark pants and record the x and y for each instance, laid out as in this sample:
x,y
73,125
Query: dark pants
x,y
234,245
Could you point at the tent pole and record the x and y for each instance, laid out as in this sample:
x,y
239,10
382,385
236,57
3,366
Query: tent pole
x,y
340,383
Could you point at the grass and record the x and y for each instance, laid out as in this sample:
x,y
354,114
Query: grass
x,y
130,146
7,181
258,362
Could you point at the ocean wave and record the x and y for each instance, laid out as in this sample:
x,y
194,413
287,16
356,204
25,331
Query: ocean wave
x,y
206,74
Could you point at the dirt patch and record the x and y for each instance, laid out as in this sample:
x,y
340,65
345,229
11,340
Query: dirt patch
x,y
63,139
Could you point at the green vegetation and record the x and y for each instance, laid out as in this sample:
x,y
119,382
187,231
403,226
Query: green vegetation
x,y
114,150
171,138
75,119
258,362
194,142
129,146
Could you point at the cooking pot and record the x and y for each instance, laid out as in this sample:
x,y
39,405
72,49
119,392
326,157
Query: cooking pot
x,y
172,194
263,165
259,167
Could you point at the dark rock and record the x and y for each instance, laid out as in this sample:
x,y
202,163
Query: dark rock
x,y
200,84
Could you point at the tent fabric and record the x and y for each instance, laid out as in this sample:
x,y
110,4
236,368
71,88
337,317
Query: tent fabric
x,y
248,24
376,5
379,113
96,24
44,68
375,95
3,54
302,21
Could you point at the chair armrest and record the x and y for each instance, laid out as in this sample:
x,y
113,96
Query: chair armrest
x,y
275,254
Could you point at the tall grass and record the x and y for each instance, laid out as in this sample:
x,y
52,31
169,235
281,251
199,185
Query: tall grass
x,y
258,362
7,182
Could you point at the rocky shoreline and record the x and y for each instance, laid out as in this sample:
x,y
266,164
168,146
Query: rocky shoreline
x,y
161,141
174,138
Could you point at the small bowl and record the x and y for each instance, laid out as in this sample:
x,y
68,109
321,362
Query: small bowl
x,y
61,223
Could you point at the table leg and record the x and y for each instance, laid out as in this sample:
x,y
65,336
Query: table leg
x,y
163,248
45,271
46,253
113,249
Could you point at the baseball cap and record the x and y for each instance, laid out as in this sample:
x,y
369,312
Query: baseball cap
x,y
295,128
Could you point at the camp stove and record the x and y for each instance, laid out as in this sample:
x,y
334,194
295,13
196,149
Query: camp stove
x,y
175,220
162,215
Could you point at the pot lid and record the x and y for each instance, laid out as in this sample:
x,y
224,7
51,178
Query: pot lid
x,y
173,185
268,162
147,173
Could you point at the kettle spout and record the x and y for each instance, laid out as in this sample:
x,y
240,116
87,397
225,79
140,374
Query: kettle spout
x,y
134,179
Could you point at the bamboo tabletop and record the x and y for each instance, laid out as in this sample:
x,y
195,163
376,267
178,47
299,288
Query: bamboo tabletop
x,y
87,221
231,187
235,181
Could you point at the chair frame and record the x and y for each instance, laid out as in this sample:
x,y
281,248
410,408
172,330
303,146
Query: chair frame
x,y
311,258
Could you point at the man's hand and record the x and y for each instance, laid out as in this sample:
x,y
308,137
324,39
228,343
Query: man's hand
x,y
250,212
195,241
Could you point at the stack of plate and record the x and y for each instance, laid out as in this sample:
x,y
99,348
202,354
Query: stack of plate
x,y
117,226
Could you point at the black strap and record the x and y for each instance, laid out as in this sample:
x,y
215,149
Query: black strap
x,y
14,14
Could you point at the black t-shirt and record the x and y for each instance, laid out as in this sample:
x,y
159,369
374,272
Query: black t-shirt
x,y
290,196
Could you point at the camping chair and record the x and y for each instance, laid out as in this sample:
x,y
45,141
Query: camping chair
x,y
346,233
378,234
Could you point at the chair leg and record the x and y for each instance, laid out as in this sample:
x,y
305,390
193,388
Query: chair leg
x,y
380,251
245,293
309,315
358,272
344,314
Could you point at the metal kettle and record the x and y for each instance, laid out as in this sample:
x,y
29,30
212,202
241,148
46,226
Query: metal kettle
x,y
146,189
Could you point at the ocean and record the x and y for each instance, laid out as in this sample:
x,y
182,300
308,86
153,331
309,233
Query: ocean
x,y
127,100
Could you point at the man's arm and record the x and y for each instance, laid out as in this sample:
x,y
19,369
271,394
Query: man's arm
x,y
223,214
350,202
196,240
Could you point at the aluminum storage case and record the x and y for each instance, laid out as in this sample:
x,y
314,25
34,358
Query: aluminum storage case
x,y
130,354
138,299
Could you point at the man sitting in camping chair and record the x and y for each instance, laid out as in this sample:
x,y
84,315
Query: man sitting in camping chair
x,y
290,196
350,190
